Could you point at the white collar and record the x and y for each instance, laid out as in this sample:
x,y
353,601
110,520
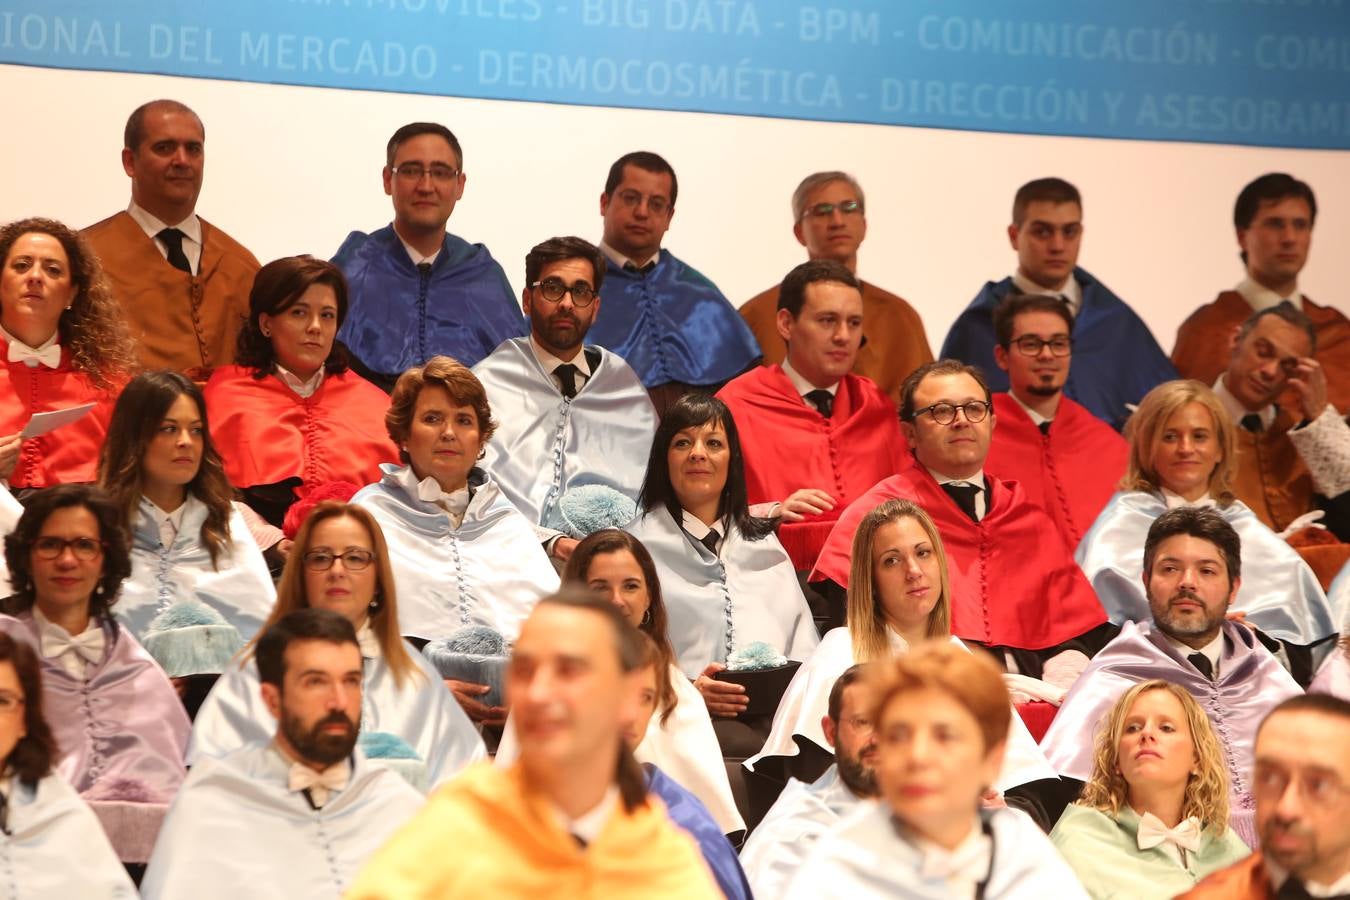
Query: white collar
x,y
620,260
1072,290
1176,501
963,867
588,825
698,530
1260,297
47,625
1212,651
369,641
977,479
292,381
1235,408
152,226
803,386
1279,875
416,257
429,490
1036,418
11,339
549,362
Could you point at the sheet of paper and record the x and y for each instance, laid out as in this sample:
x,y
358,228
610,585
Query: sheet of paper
x,y
43,422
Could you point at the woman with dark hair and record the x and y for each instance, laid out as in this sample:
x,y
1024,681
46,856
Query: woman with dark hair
x,y
290,415
118,723
41,816
189,541
65,345
726,579
340,562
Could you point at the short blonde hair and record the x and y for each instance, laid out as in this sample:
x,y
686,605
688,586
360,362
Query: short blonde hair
x,y
458,381
1145,427
866,618
969,678
1206,795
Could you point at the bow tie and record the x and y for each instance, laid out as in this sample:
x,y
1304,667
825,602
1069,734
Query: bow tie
x,y
969,862
87,645
1152,832
49,356
318,784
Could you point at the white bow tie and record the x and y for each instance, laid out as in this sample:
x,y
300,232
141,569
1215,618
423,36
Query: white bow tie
x,y
319,784
49,356
87,645
1152,832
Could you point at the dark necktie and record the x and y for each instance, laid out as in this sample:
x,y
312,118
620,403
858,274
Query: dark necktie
x,y
1251,422
4,813
710,540
822,400
964,495
173,242
1044,426
567,375
633,267
1201,662
1292,889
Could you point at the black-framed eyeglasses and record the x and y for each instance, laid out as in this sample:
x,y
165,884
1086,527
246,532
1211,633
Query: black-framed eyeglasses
x,y
84,548
552,290
1030,345
824,210
414,171
945,413
352,560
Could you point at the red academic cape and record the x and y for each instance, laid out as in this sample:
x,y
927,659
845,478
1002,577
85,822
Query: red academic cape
x,y
788,445
267,433
1202,348
70,453
1013,582
1071,472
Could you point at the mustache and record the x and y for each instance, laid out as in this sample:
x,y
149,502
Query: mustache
x,y
336,717
1185,594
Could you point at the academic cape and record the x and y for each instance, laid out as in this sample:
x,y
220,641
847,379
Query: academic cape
x,y
1071,472
400,317
1104,853
692,818
422,711
509,843
717,604
489,571
545,444
672,324
55,847
1118,360
788,445
236,830
1279,593
1250,684
1014,583
867,858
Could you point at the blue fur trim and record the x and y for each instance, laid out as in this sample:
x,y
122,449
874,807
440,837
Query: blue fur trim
x,y
191,638
588,508
754,657
475,654
385,745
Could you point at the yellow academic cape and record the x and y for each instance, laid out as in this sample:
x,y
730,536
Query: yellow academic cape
x,y
481,835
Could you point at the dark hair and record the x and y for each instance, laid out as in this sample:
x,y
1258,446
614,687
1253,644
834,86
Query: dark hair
x,y
1014,305
140,409
412,130
852,675
307,624
690,411
1043,190
1325,704
134,132
628,648
455,378
1198,522
31,758
792,292
1289,313
112,532
277,287
1270,188
937,367
648,162
557,249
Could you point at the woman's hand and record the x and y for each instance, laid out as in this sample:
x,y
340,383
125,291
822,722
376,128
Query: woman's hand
x,y
466,691
563,547
10,445
723,699
806,502
283,547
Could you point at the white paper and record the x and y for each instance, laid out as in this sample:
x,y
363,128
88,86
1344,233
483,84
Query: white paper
x,y
43,422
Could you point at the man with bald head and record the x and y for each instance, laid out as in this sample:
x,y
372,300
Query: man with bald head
x,y
182,283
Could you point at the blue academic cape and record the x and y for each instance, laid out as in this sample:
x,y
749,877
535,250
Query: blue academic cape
x,y
672,324
398,318
693,818
1116,359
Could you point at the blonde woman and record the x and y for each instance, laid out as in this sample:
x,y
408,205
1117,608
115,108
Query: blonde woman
x,y
1153,819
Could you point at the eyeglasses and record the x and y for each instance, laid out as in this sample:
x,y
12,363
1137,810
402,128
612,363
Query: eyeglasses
x,y
352,560
631,199
52,547
1323,789
945,413
823,210
9,702
1030,345
553,289
412,172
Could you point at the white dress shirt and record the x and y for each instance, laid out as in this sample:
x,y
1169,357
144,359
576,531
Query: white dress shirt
x,y
620,260
303,388
549,362
191,228
1072,292
977,480
1036,418
413,254
1261,297
1235,408
429,489
69,659
698,531
1278,876
1212,651
168,523
588,825
803,386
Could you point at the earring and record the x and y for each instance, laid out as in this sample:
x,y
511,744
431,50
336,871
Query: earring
x,y
646,618
375,605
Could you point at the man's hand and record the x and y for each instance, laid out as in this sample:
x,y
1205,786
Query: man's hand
x,y
723,699
1310,382
806,502
466,691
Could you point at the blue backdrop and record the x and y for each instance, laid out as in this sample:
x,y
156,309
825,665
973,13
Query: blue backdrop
x,y
1262,72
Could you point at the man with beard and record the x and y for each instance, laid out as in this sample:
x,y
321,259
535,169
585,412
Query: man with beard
x,y
1072,468
805,812
299,813
568,414
1302,782
1192,569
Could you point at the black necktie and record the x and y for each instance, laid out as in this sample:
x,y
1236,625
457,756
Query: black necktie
x,y
567,374
1201,662
964,495
173,242
710,540
424,270
1251,422
1292,889
1044,427
633,267
822,400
